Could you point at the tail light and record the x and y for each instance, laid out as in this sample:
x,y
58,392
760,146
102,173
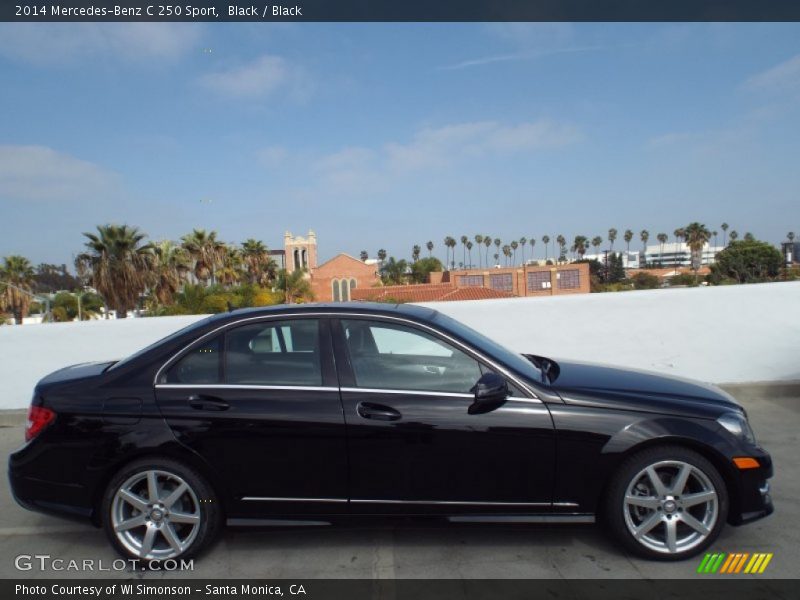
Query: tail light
x,y
39,417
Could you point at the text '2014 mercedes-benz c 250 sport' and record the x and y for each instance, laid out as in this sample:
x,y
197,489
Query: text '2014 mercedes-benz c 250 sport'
x,y
317,414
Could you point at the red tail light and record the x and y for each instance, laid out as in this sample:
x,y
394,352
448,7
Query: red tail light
x,y
39,417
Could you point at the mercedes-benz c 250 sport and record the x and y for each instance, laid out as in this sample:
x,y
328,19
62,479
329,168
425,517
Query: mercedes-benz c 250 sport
x,y
318,414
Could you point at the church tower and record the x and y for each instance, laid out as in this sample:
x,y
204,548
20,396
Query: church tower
x,y
301,252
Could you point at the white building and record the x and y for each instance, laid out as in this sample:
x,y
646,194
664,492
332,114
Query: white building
x,y
630,260
679,255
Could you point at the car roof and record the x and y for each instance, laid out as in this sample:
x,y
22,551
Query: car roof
x,y
376,308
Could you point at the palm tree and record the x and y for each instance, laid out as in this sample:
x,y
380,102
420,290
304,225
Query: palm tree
x,y
514,246
429,246
562,244
171,264
381,257
545,241
678,233
724,228
117,265
364,256
749,237
497,243
734,235
496,258
260,267
479,241
16,286
533,243
644,236
394,271
522,242
506,252
596,241
612,236
662,239
790,236
232,268
206,251
714,233
579,245
415,250
628,237
469,251
295,286
487,241
697,236
464,240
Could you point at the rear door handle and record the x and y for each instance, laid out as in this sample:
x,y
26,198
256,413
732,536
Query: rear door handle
x,y
201,402
377,412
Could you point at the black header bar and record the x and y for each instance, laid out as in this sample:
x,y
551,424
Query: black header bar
x,y
399,10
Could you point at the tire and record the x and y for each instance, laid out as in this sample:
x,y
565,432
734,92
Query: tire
x,y
675,520
182,519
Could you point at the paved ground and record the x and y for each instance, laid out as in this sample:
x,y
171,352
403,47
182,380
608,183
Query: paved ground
x,y
442,552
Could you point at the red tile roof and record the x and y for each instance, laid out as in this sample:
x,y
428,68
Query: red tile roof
x,y
426,292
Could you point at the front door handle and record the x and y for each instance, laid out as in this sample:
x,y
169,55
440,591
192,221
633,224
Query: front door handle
x,y
200,402
377,412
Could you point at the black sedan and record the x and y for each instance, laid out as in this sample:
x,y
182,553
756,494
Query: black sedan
x,y
314,414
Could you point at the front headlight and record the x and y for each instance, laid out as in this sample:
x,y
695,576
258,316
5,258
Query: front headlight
x,y
737,424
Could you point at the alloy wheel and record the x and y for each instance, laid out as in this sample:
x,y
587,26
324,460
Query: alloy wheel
x,y
671,507
155,514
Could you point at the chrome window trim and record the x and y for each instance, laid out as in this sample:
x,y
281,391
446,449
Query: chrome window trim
x,y
469,349
242,386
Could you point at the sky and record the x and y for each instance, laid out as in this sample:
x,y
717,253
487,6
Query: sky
x,y
389,135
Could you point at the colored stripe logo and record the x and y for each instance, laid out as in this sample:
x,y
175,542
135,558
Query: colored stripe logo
x,y
735,563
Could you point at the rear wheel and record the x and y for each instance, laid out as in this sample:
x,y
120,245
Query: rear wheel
x,y
159,509
668,503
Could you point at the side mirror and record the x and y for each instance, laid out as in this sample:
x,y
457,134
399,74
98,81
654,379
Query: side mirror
x,y
490,392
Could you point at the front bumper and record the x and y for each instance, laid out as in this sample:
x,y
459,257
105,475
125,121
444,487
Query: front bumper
x,y
751,499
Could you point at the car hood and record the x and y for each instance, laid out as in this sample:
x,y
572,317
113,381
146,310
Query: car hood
x,y
74,372
615,387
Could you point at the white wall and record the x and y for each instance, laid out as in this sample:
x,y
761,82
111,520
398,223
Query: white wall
x,y
730,334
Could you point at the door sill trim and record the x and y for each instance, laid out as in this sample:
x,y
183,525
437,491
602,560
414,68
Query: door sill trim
x,y
573,518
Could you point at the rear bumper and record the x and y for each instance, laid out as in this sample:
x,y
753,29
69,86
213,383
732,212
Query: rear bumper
x,y
51,497
753,500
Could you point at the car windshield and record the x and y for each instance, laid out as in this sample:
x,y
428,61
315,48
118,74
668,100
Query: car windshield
x,y
515,361
172,336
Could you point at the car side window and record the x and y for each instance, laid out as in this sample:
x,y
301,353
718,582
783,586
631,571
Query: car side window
x,y
390,356
274,353
201,365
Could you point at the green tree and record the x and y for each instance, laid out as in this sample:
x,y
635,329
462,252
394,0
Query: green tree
x,y
790,236
118,265
506,252
497,243
364,256
393,272
478,242
16,286
171,263
514,246
579,245
295,286
596,242
724,228
628,237
259,264
612,236
697,236
662,239
464,240
469,252
748,261
206,251
734,235
66,308
545,241
644,236
429,246
415,251
532,242
421,270
522,242
749,237
487,241
645,281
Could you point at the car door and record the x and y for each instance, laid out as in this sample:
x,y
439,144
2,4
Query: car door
x,y
412,445
260,403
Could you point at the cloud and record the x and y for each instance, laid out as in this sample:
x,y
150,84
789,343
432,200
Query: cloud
x,y
39,173
66,44
257,79
271,156
784,76
444,145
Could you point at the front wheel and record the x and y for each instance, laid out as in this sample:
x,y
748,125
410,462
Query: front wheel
x,y
667,503
159,509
